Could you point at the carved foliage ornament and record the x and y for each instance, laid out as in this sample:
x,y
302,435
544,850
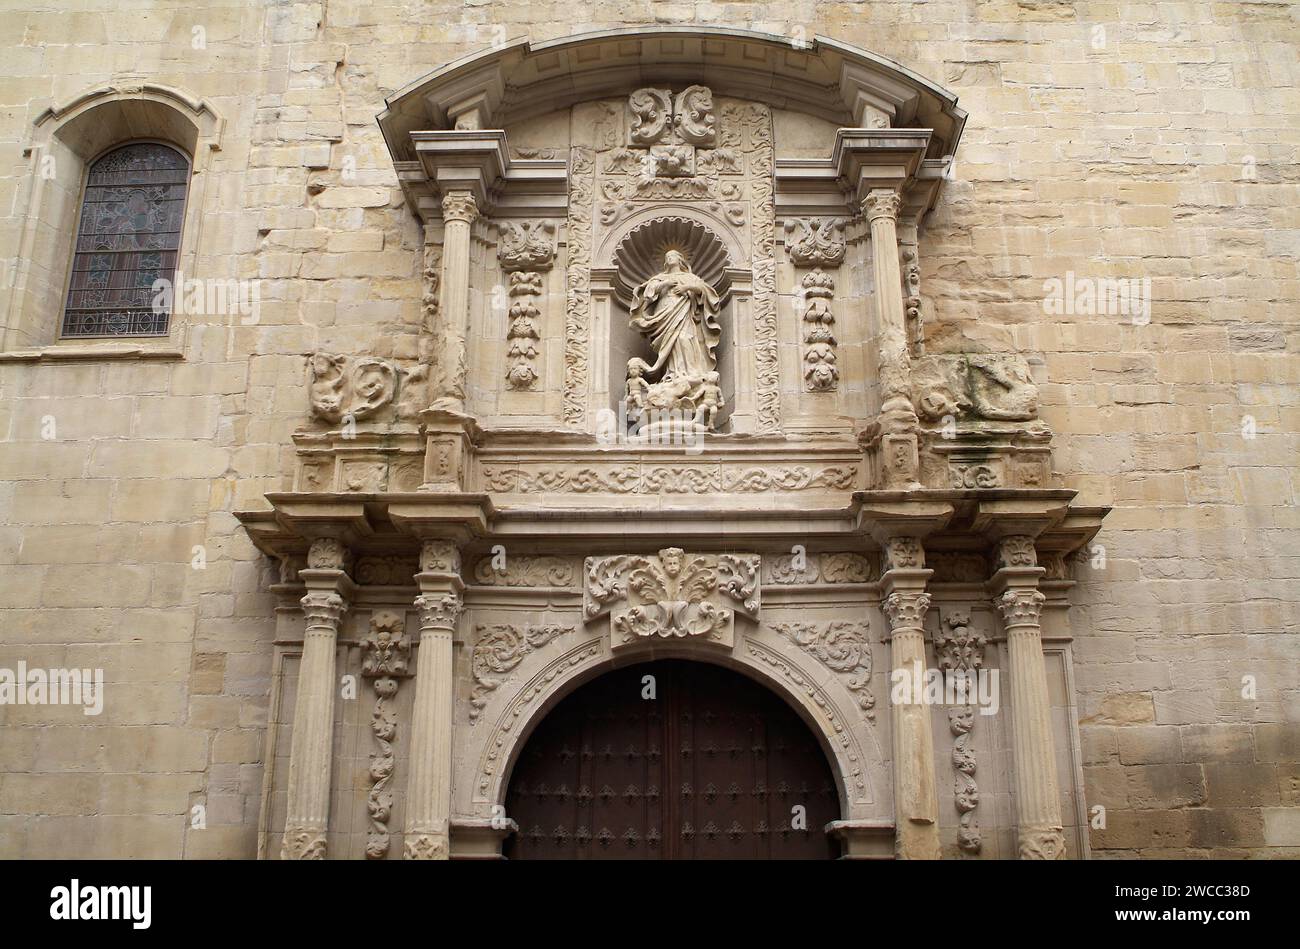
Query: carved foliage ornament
x,y
385,663
819,370
960,650
672,596
843,647
526,245
526,571
904,553
657,119
500,648
838,567
815,242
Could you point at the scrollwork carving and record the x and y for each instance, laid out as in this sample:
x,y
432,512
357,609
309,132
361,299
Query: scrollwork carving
x,y
673,595
526,245
499,649
347,387
526,571
816,242
843,647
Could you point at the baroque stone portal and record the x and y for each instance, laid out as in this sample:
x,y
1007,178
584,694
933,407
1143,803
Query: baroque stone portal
x,y
739,259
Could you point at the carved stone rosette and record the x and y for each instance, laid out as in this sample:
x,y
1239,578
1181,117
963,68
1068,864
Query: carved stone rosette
x,y
672,596
960,651
385,664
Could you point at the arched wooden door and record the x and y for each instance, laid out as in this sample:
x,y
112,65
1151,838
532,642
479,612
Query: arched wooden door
x,y
714,766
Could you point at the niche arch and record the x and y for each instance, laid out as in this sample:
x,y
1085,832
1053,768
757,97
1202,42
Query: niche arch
x,y
635,251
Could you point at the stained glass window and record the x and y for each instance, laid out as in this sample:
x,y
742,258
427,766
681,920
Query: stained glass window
x,y
128,238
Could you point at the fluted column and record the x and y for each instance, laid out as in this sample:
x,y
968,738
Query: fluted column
x,y
428,795
311,747
458,213
898,421
916,806
1038,802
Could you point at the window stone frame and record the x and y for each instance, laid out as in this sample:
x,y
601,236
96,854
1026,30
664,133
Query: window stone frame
x,y
64,142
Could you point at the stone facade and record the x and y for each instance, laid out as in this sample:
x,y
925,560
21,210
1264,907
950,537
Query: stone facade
x,y
337,552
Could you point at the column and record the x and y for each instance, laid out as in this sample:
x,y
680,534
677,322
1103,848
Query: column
x,y
311,749
1038,802
458,213
428,795
898,421
916,804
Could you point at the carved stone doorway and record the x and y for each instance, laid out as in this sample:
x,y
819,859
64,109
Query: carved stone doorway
x,y
713,766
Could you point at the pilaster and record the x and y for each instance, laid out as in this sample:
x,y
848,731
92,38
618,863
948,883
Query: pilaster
x,y
312,745
428,796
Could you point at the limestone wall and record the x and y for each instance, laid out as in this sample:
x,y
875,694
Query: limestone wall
x,y
1105,139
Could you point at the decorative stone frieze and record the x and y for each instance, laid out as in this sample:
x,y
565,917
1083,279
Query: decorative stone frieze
x,y
672,596
838,567
527,571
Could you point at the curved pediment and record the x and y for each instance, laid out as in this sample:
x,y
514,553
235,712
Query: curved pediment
x,y
843,84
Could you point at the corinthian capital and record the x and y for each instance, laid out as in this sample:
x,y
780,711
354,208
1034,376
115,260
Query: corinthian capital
x,y
459,206
323,608
881,203
438,610
906,610
1020,607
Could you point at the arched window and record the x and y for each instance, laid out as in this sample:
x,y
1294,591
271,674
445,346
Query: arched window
x,y
128,238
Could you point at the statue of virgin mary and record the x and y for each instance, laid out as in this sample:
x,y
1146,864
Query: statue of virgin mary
x,y
678,312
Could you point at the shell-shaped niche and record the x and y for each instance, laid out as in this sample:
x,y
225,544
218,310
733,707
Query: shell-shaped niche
x,y
640,254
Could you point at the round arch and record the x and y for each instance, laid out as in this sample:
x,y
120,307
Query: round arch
x,y
852,765
672,759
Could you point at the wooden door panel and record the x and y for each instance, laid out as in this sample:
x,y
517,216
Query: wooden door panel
x,y
712,768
